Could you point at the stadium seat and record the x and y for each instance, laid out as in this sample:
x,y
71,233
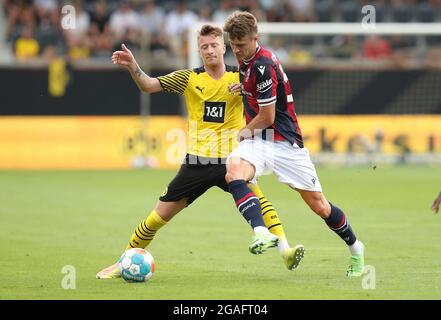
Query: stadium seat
x,y
380,12
401,13
324,11
425,13
350,11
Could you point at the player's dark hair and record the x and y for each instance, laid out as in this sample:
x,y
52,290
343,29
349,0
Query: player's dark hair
x,y
240,24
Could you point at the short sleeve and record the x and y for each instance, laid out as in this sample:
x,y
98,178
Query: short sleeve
x,y
175,82
266,83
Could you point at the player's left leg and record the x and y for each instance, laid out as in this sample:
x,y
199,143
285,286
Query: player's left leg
x,y
294,167
146,231
190,182
337,222
291,256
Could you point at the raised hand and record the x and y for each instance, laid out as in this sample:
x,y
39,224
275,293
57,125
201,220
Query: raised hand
x,y
123,57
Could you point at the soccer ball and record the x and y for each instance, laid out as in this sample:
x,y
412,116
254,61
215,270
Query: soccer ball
x,y
136,265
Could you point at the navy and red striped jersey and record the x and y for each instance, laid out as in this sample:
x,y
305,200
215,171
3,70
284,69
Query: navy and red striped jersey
x,y
263,83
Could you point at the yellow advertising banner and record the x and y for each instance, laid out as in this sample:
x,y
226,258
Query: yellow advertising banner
x,y
388,134
86,142
112,142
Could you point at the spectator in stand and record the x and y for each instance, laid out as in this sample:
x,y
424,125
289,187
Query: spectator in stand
x,y
45,7
433,58
101,38
275,10
178,22
123,19
376,48
255,8
205,13
131,37
152,20
20,14
79,49
98,32
343,47
77,39
402,49
278,46
180,19
100,18
48,32
26,46
299,56
402,10
223,11
302,10
251,6
82,23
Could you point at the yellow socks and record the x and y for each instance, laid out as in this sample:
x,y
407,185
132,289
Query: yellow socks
x,y
146,230
270,216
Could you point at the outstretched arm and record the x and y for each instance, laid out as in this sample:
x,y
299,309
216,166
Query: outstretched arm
x,y
124,57
436,203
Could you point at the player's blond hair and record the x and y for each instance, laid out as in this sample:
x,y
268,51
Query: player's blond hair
x,y
240,24
207,30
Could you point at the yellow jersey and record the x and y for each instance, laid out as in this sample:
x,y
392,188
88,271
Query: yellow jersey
x,y
215,115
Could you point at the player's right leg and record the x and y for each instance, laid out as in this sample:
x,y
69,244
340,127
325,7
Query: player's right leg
x,y
239,171
337,222
146,231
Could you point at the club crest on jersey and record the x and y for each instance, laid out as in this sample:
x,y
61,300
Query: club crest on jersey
x,y
263,86
247,74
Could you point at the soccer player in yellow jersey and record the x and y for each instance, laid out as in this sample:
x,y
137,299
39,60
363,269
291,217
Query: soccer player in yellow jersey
x,y
215,117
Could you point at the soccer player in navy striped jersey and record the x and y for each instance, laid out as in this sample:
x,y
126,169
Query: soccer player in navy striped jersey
x,y
272,139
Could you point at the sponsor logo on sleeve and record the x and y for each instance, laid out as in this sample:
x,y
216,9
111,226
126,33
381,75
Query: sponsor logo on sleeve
x,y
265,85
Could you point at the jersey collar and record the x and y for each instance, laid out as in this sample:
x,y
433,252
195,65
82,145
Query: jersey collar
x,y
247,61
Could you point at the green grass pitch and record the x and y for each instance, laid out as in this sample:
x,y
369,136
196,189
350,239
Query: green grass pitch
x,y
50,219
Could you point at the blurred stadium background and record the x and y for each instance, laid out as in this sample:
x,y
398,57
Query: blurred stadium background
x,y
363,100
382,90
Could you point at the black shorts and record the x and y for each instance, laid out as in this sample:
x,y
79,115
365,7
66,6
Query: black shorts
x,y
194,178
